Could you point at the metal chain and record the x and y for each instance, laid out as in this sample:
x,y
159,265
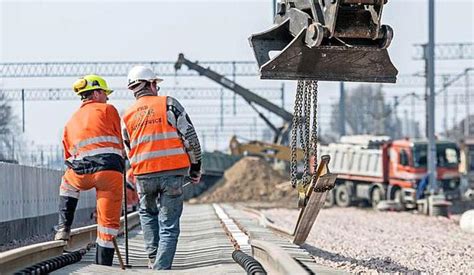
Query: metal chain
x,y
294,131
304,125
314,132
307,126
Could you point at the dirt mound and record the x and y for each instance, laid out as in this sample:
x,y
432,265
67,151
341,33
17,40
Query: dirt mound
x,y
250,179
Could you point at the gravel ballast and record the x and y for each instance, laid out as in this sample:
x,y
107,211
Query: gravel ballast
x,y
361,240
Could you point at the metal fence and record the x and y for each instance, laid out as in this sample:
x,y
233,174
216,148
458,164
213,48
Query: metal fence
x,y
27,192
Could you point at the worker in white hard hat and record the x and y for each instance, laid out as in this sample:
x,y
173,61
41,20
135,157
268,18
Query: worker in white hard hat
x,y
163,148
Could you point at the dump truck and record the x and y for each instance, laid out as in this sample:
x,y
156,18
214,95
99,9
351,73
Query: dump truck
x,y
376,168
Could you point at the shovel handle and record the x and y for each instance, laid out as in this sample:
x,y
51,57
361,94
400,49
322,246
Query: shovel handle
x,y
122,266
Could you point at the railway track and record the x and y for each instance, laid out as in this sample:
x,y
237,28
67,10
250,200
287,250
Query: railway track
x,y
210,234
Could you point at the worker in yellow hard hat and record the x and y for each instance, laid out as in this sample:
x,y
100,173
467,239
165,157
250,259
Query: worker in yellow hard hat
x,y
90,83
93,152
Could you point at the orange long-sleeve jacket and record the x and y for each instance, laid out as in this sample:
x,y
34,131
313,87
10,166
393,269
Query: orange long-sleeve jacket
x,y
92,139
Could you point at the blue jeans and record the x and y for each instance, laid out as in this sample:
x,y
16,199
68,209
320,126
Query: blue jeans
x,y
161,205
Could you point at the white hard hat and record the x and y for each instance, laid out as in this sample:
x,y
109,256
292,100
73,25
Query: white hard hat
x,y
141,73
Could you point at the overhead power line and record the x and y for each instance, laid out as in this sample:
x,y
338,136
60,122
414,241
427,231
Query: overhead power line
x,y
447,51
116,69
418,80
204,93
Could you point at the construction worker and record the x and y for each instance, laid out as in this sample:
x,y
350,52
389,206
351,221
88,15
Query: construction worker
x,y
93,149
163,148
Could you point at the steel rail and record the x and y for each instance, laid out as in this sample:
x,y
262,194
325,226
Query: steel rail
x,y
22,257
274,259
265,222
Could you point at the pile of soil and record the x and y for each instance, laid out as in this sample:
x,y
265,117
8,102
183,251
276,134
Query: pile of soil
x,y
250,179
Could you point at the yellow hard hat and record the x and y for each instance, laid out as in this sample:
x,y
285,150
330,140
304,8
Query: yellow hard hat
x,y
89,83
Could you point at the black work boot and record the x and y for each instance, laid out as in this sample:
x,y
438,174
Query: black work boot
x,y
104,255
67,207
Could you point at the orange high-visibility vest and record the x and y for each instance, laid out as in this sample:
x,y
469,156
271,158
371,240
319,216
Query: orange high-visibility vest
x,y
155,145
93,136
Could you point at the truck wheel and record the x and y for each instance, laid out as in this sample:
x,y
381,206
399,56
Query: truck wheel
x,y
342,196
399,199
330,200
375,197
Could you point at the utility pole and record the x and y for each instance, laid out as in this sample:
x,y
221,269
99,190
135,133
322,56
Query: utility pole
x,y
23,109
274,8
430,59
445,108
467,124
425,49
342,109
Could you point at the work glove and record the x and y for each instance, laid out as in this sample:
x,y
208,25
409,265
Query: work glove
x,y
195,176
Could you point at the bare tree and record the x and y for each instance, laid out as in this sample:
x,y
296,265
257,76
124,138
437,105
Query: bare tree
x,y
367,112
8,129
457,131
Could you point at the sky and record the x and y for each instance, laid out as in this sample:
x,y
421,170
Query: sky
x,y
44,31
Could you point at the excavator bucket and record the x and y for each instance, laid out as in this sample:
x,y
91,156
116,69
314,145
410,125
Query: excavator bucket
x,y
333,40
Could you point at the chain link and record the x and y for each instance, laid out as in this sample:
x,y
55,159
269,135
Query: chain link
x,y
305,138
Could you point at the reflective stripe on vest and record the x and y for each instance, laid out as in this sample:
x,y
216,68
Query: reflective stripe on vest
x,y
89,141
153,137
157,154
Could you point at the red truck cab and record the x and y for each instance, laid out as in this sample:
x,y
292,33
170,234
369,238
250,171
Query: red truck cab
x,y
375,168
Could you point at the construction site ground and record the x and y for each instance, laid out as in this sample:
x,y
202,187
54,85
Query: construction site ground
x,y
363,240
